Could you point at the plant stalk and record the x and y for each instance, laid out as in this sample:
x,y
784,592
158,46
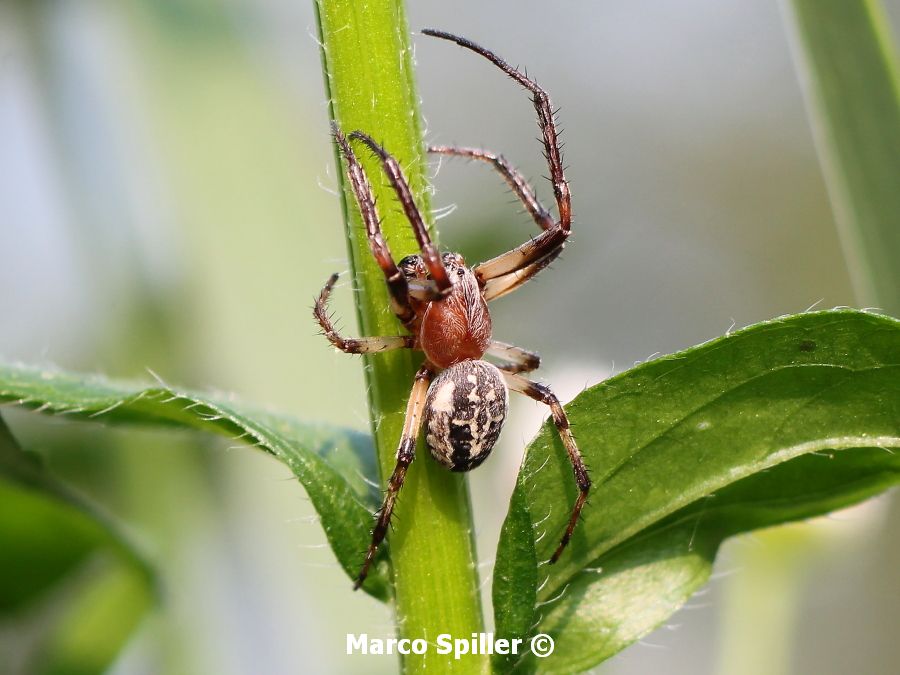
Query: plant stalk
x,y
847,62
367,63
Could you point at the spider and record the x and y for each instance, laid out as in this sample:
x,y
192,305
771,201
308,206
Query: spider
x,y
460,398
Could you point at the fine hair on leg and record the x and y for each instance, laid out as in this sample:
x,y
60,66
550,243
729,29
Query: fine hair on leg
x,y
542,393
406,453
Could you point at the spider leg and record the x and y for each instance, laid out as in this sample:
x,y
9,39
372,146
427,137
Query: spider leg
x,y
553,238
497,287
364,345
517,360
430,255
362,190
509,173
406,453
541,393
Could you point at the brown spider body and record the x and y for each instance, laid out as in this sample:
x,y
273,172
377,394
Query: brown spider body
x,y
460,399
466,404
457,326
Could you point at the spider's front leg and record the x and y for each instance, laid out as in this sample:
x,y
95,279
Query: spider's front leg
x,y
513,177
430,255
542,393
500,285
406,453
514,267
363,345
397,284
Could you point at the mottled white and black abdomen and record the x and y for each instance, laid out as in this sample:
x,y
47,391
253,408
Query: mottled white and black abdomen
x,y
464,412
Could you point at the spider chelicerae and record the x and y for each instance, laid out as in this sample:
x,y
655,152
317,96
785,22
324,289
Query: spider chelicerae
x,y
459,397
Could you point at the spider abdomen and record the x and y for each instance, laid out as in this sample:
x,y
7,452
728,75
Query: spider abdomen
x,y
464,412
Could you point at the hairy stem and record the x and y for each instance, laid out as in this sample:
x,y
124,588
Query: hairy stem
x,y
368,69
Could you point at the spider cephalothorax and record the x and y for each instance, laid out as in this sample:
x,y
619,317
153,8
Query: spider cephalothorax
x,y
459,398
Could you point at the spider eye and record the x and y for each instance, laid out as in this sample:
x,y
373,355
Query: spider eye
x,y
452,259
410,266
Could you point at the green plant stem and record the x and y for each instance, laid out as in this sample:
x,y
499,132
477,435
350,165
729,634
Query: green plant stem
x,y
848,64
368,67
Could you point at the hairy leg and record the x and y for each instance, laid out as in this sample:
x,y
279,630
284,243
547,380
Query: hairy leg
x,y
362,191
509,173
430,254
363,345
406,453
542,393
517,360
553,238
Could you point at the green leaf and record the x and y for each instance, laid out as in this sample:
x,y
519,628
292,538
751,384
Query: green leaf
x,y
515,578
334,465
848,61
72,588
783,420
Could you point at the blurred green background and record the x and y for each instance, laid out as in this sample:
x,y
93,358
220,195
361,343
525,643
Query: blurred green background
x,y
167,203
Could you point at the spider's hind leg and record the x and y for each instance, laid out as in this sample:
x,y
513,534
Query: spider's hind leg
x,y
406,453
363,345
542,393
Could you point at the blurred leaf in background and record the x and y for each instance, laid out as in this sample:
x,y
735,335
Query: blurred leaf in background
x,y
847,60
72,588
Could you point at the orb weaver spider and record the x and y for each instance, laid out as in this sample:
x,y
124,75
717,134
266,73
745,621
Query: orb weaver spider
x,y
460,398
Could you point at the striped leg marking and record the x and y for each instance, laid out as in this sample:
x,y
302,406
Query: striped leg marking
x,y
517,360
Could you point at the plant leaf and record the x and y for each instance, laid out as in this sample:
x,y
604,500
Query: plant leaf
x,y
334,465
71,585
515,578
690,449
